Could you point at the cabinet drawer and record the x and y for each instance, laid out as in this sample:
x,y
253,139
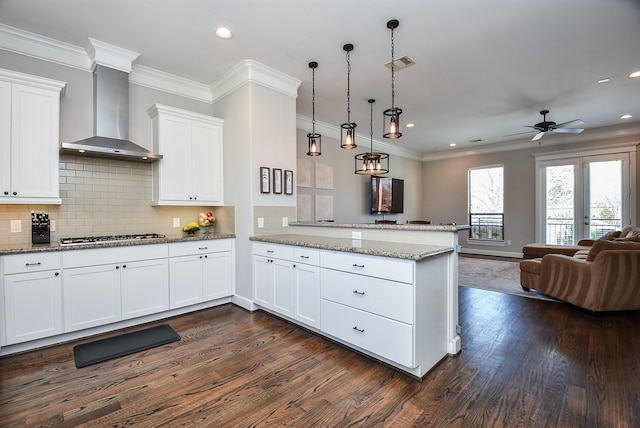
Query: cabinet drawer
x,y
274,251
379,267
199,247
105,256
382,336
307,256
31,262
381,297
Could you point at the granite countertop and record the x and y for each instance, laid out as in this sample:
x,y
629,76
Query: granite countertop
x,y
6,249
399,226
398,250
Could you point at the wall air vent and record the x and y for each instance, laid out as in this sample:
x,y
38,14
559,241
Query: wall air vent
x,y
400,63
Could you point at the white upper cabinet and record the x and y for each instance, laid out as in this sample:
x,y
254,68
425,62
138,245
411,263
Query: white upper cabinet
x,y
190,172
29,139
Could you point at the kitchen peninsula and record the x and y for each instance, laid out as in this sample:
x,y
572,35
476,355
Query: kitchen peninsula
x,y
392,294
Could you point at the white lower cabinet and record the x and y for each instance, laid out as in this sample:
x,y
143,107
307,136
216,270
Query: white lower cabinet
x,y
106,285
32,297
287,282
392,309
200,271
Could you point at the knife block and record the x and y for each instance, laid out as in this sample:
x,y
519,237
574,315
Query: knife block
x,y
40,234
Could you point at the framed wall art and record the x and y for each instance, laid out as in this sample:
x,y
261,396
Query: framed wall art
x,y
277,180
288,182
265,180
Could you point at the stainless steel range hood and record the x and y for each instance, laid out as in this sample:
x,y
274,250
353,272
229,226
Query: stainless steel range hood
x,y
111,121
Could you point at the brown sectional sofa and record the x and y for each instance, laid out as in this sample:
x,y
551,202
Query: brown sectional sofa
x,y
602,277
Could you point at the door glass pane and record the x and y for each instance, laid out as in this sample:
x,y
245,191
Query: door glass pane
x,y
605,197
560,204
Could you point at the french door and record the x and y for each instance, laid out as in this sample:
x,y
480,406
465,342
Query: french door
x,y
583,196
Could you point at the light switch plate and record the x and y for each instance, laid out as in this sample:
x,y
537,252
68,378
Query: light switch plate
x,y
53,225
176,222
260,222
16,226
285,221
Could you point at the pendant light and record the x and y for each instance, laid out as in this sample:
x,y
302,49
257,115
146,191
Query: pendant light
x,y
348,129
315,140
371,163
391,116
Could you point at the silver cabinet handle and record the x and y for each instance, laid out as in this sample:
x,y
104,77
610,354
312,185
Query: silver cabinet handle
x,y
304,257
358,292
358,266
203,248
270,251
33,264
361,330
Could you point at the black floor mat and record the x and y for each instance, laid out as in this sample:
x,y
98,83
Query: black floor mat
x,y
128,343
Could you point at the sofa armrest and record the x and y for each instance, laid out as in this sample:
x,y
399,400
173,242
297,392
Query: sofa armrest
x,y
615,281
586,242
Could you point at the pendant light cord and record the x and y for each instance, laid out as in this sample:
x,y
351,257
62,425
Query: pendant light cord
x,y
313,100
393,77
348,87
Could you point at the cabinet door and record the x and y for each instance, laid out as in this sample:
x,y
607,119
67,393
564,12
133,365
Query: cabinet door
x,y
34,142
283,287
33,306
262,281
206,143
91,296
144,287
217,275
175,169
185,279
5,139
306,283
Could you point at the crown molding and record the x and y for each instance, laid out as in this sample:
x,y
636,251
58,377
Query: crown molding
x,y
39,82
111,56
36,46
333,131
159,80
250,71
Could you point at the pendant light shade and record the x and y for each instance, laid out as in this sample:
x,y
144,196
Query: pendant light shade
x,y
315,139
348,129
391,116
371,163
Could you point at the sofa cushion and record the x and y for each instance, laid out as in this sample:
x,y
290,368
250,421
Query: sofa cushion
x,y
531,266
602,245
629,232
581,254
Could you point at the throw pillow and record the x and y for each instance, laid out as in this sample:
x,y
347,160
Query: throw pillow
x,y
611,235
629,231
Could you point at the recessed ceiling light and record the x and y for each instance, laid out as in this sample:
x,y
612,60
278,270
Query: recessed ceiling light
x,y
410,125
224,33
626,116
634,74
605,80
453,144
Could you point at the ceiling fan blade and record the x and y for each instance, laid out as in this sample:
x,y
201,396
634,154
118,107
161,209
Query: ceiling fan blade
x,y
570,123
537,136
568,130
519,133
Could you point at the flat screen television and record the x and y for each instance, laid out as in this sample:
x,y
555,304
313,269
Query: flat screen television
x,y
387,195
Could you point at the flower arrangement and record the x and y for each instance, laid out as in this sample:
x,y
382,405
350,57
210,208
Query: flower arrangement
x,y
206,220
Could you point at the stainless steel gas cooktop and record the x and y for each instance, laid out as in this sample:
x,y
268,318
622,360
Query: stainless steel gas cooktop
x,y
109,238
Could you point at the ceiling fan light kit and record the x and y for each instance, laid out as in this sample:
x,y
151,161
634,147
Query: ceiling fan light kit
x,y
391,116
348,129
315,139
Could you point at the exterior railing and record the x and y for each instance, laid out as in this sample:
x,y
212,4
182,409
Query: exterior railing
x,y
487,226
560,231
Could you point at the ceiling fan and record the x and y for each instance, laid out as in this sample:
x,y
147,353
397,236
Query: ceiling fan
x,y
548,126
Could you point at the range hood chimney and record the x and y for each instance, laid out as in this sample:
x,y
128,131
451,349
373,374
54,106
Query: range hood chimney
x,y
110,113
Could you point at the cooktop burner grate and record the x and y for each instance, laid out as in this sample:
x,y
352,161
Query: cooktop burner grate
x,y
109,238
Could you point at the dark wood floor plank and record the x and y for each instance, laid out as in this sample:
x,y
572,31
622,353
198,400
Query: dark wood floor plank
x,y
524,363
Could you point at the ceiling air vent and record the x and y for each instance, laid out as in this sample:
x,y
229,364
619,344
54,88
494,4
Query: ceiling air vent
x,y
400,63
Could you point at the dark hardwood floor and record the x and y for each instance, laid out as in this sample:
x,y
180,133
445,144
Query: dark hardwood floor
x,y
525,362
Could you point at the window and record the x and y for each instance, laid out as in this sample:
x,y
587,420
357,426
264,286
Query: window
x,y
486,208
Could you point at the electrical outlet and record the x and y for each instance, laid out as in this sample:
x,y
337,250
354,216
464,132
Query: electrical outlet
x,y
356,235
16,226
260,222
508,241
176,222
285,221
53,225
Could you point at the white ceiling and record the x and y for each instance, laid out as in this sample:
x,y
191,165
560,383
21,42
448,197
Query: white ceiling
x,y
483,68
